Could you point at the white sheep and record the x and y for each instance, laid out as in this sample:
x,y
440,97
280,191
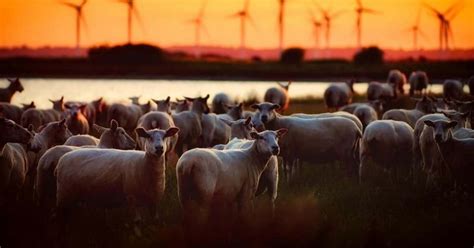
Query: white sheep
x,y
366,114
418,82
209,176
381,91
397,78
342,114
453,89
423,106
82,140
158,120
389,144
338,94
279,95
163,105
114,178
234,112
220,102
126,115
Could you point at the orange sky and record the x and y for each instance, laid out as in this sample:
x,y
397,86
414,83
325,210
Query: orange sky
x,y
45,22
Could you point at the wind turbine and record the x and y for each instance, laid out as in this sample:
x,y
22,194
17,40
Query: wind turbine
x,y
415,29
445,18
244,16
316,24
198,22
328,17
132,10
79,18
360,10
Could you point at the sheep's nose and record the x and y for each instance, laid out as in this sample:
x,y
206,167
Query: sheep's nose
x,y
275,150
159,150
438,138
264,118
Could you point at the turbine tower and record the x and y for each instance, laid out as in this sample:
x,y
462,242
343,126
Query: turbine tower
x,y
415,29
328,17
198,22
244,16
360,11
79,18
445,18
132,11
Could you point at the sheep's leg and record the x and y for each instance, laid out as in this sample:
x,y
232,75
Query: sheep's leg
x,y
137,219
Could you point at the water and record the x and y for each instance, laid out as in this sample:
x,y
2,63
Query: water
x,y
115,90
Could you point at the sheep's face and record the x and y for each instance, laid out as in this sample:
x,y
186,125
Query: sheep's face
x,y
12,132
58,105
267,141
116,136
155,140
29,106
99,105
460,118
199,104
266,111
16,85
164,105
241,128
146,107
183,105
75,111
426,105
57,132
235,111
441,129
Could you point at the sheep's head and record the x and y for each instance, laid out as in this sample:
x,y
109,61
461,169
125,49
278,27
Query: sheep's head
x,y
267,141
58,105
12,132
155,139
240,128
441,129
460,118
199,104
163,105
235,111
99,105
182,105
266,111
115,136
56,132
425,105
74,111
28,106
15,85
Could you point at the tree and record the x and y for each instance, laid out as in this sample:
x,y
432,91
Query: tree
x,y
369,56
127,54
293,55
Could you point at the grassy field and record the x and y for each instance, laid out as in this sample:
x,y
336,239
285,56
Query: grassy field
x,y
320,207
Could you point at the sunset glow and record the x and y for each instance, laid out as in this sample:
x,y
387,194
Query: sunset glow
x,y
39,23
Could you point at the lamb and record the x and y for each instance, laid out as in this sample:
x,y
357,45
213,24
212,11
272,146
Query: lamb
x,y
279,95
453,89
378,142
234,112
6,94
126,115
76,120
10,111
220,102
423,106
418,82
114,178
338,94
397,78
458,154
325,139
159,120
45,183
39,117
163,105
381,91
82,140
89,110
208,176
13,159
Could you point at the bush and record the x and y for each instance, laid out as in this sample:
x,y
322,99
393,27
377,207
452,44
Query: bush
x,y
369,56
292,56
127,54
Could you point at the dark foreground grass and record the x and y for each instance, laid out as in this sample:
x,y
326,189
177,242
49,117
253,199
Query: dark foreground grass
x,y
320,207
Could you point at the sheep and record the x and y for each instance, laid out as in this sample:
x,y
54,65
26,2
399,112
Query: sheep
x,y
209,177
279,95
101,109
376,105
114,137
160,120
58,105
13,159
241,128
114,178
325,139
39,117
464,107
163,105
397,78
10,111
389,144
458,154
423,106
82,140
126,115
470,83
6,94
182,105
453,89
234,112
418,82
147,107
366,114
28,106
76,120
189,124
338,94
342,114
220,102
381,91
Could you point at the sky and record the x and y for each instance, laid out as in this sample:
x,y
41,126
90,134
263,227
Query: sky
x,y
38,23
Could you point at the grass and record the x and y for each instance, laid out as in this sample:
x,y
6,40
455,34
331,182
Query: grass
x,y
320,207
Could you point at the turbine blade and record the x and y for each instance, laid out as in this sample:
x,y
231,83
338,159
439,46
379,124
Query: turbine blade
x,y
84,22
235,15
319,7
84,2
454,14
359,3
246,5
423,34
203,27
139,19
71,5
203,8
418,17
252,21
371,11
337,14
435,11
452,7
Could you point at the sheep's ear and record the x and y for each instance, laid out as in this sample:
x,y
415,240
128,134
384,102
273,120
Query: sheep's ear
x,y
99,129
255,135
281,132
141,132
51,101
206,97
189,99
171,131
156,101
229,123
255,106
276,107
452,124
113,125
31,128
62,122
248,121
168,99
83,107
429,123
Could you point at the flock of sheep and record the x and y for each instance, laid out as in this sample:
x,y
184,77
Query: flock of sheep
x,y
103,154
